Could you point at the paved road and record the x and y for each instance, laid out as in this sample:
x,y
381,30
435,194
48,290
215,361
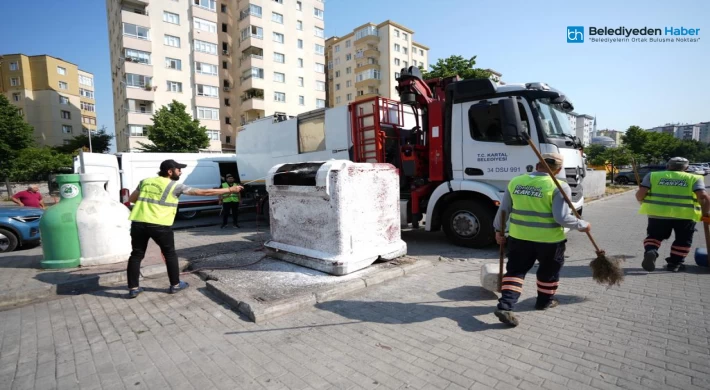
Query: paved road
x,y
427,330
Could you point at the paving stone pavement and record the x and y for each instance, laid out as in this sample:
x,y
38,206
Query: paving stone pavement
x,y
428,330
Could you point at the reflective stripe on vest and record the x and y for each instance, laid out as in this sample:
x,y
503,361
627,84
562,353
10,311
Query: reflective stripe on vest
x,y
531,218
158,206
231,197
671,195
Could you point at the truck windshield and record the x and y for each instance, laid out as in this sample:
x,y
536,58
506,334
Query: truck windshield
x,y
554,120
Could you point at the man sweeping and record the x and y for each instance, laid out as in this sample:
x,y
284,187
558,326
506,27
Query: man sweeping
x,y
674,201
538,216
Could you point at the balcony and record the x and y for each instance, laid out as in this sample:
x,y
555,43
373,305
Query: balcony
x,y
252,57
253,99
203,13
368,39
135,16
367,83
146,92
138,68
363,65
251,82
253,40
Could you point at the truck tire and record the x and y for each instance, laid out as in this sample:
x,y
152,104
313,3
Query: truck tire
x,y
623,180
469,224
8,241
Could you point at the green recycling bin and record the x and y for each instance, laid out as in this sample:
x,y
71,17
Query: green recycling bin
x,y
58,228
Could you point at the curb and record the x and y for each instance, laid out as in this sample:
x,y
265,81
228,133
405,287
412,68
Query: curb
x,y
80,285
606,197
260,312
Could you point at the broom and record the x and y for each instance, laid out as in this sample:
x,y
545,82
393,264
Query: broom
x,y
636,172
502,252
605,270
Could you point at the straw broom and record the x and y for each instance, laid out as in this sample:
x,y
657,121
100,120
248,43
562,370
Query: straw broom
x,y
605,270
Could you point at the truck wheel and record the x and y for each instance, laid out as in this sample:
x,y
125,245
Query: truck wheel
x,y
469,224
8,241
623,180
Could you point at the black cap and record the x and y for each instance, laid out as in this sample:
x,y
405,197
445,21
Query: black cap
x,y
229,175
170,164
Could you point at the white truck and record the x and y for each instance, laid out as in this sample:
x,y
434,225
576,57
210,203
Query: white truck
x,y
457,144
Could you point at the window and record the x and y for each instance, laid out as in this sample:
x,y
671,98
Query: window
x,y
173,63
213,135
279,77
349,97
88,107
299,25
300,81
90,120
405,50
406,64
14,66
347,43
320,86
484,122
136,80
368,74
228,139
421,52
224,8
16,97
405,36
279,1
207,90
319,32
225,65
396,33
302,100
135,31
337,61
20,112
337,73
205,47
348,57
318,13
337,87
63,99
279,97
226,102
66,129
205,25
280,58
299,6
396,47
337,100
252,31
227,120
396,61
208,113
172,41
257,73
224,27
276,17
320,103
63,85
396,75
337,48
170,17
86,80
300,62
365,31
61,71
320,49
278,37
174,86
300,43
86,93
66,114
252,9
209,4
348,70
137,131
320,68
203,68
349,83
141,57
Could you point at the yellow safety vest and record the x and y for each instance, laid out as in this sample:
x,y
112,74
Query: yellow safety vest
x,y
231,197
671,195
531,218
156,203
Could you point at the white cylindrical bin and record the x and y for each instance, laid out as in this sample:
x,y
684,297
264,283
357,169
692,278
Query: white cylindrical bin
x,y
103,224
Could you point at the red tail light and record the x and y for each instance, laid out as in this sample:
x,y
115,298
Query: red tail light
x,y
125,194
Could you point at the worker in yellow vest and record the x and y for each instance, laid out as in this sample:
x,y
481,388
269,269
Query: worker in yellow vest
x,y
538,215
155,205
230,203
674,201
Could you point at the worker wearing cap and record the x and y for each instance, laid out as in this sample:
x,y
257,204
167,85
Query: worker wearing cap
x,y
538,215
230,203
155,205
674,201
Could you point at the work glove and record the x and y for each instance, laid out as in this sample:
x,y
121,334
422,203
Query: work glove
x,y
706,219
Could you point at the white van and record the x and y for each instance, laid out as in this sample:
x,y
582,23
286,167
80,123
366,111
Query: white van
x,y
126,170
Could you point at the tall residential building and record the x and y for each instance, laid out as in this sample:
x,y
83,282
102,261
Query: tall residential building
x,y
704,131
229,62
367,61
584,128
54,96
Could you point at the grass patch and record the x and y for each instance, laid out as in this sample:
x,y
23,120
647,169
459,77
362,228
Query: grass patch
x,y
615,189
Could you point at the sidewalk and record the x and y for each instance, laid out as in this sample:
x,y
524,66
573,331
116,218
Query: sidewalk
x,y
22,280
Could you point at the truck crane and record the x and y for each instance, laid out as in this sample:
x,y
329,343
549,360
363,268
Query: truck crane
x,y
456,143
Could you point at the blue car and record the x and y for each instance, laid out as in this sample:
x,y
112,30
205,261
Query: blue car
x,y
19,226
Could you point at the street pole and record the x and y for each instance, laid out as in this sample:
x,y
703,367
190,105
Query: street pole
x,y
612,167
90,149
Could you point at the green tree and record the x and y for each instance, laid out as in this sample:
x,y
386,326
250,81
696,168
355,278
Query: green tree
x,y
595,154
36,164
15,135
174,130
659,147
634,139
100,142
456,65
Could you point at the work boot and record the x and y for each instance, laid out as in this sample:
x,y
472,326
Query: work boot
x,y
547,305
132,293
223,226
180,286
649,260
675,267
507,317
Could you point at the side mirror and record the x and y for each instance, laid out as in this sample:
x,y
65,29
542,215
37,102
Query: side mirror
x,y
510,120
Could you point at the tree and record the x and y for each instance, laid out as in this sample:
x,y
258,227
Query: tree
x,y
595,154
634,139
174,130
36,164
457,65
15,135
100,142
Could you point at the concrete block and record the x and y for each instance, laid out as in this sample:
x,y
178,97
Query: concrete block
x,y
416,265
340,290
489,277
383,276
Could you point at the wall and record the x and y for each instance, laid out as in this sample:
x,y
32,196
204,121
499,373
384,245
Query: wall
x,y
17,187
594,184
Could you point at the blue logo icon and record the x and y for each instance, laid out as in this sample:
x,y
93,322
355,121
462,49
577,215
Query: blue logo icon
x,y
575,34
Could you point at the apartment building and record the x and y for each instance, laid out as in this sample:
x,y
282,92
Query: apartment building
x,y
229,62
616,135
53,95
367,61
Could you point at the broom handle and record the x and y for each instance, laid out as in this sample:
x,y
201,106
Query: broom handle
x,y
707,235
636,172
502,252
559,187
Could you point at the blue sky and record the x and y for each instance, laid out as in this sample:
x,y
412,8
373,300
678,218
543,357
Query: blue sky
x,y
622,84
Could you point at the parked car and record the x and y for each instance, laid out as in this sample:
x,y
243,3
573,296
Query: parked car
x,y
626,176
696,169
19,226
704,166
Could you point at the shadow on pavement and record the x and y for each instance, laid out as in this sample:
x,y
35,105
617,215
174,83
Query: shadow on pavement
x,y
18,260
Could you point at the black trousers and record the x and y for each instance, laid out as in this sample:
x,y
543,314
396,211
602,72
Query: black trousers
x,y
226,208
521,258
661,229
141,233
